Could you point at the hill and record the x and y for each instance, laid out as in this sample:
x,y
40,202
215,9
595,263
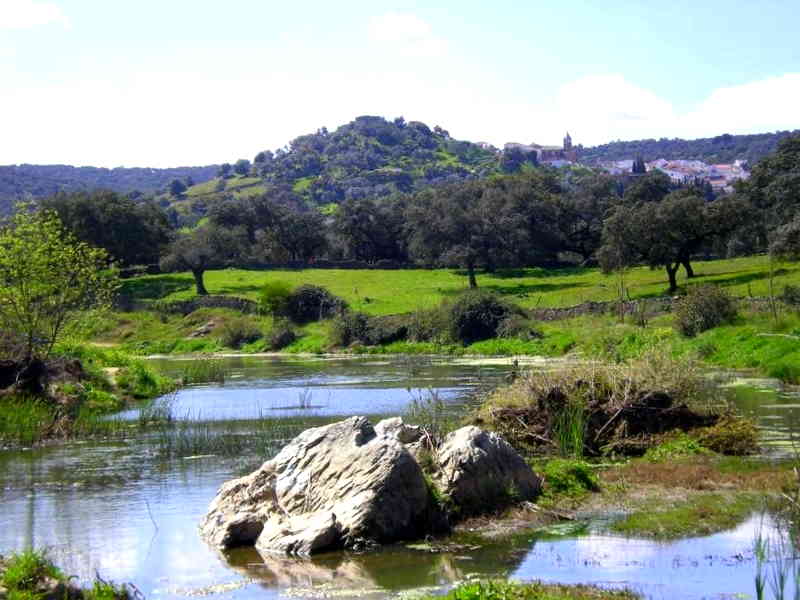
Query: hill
x,y
720,149
18,182
367,157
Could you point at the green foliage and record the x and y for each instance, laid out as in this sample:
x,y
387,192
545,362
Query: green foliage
x,y
106,590
570,478
704,307
236,332
313,303
476,315
274,297
139,380
24,420
49,278
26,570
678,446
569,427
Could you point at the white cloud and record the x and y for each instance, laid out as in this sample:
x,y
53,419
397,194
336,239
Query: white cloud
x,y
24,14
406,33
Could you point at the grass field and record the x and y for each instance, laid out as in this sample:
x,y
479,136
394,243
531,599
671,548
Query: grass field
x,y
381,292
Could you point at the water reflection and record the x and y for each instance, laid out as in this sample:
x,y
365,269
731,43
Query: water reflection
x,y
118,508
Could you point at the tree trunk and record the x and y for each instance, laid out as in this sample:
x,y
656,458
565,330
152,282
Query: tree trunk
x,y
688,266
672,271
473,283
198,282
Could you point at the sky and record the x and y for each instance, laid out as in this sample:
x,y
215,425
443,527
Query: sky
x,y
161,83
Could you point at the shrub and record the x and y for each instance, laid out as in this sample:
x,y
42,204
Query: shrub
x,y
239,331
704,307
281,335
476,315
518,327
791,295
274,297
427,325
313,303
350,327
356,327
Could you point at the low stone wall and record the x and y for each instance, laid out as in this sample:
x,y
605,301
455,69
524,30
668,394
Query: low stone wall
x,y
184,307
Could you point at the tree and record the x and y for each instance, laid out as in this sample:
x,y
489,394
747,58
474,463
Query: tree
x,y
203,248
651,187
667,233
241,167
176,187
638,167
49,278
133,232
224,170
467,224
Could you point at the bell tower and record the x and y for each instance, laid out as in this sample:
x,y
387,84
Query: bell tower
x,y
567,142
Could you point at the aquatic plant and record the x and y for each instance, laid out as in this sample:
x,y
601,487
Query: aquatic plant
x,y
206,369
570,478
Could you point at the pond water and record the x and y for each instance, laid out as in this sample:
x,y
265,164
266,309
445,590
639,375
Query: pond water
x,y
129,513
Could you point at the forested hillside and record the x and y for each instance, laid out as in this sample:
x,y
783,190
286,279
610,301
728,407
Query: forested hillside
x,y
20,181
720,149
366,158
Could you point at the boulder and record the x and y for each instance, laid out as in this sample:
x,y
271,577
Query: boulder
x,y
479,469
396,428
332,486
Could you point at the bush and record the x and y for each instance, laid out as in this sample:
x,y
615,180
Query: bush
x,y
791,295
428,325
239,331
274,297
281,335
355,327
350,327
476,315
313,303
519,328
704,307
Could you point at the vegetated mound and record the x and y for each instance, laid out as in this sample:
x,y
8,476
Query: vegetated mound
x,y
366,158
596,409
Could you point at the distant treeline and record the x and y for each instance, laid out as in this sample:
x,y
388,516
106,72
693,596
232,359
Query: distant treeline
x,y
720,149
18,182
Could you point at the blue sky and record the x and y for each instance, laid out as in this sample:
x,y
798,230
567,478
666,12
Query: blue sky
x,y
177,82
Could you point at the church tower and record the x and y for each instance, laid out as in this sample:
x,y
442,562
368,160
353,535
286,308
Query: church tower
x,y
567,143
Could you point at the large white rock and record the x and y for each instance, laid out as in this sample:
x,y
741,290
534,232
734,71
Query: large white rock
x,y
332,486
478,469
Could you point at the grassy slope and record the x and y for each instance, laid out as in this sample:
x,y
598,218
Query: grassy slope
x,y
388,292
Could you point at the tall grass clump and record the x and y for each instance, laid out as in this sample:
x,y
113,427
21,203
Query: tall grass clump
x,y
206,369
25,420
704,307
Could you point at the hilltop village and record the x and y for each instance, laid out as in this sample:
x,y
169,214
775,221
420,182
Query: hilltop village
x,y
721,177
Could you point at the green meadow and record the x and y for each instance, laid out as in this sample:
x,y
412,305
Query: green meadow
x,y
384,292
